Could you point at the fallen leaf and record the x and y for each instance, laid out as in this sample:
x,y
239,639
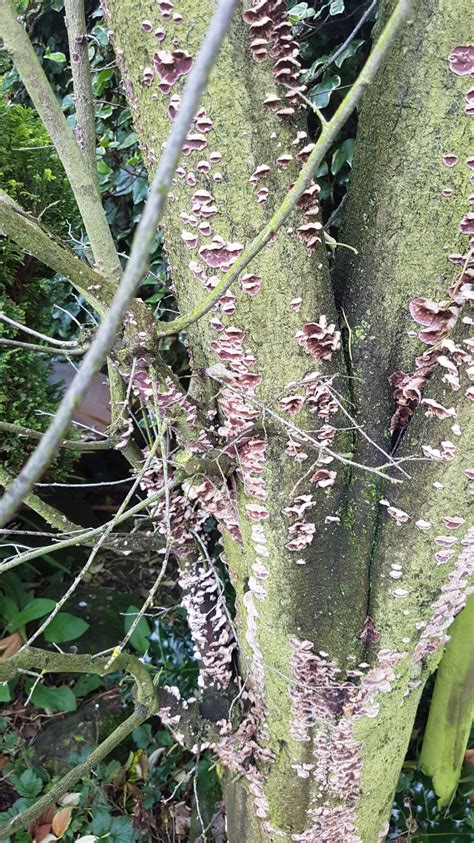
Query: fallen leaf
x,y
469,756
61,821
10,645
72,799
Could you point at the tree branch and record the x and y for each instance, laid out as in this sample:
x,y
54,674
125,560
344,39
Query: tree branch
x,y
35,238
84,537
81,80
329,132
136,266
72,444
46,662
50,514
44,349
82,180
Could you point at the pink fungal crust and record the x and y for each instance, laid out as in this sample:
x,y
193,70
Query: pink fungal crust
x,y
454,594
166,8
439,318
212,637
219,254
147,76
461,60
321,699
251,284
319,339
170,65
272,38
194,143
450,159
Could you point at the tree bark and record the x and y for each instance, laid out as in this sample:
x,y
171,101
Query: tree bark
x,y
314,620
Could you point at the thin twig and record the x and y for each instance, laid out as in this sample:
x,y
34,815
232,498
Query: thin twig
x,y
72,444
71,344
136,266
83,537
43,349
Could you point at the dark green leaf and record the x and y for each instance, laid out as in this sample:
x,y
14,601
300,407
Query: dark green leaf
x,y
58,699
343,155
350,51
85,684
139,639
36,608
65,627
321,93
28,784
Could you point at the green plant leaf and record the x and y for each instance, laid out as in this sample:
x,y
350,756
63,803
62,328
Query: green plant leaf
x,y
59,58
28,784
139,639
36,608
350,51
57,698
85,684
343,155
65,627
5,693
336,7
321,93
300,12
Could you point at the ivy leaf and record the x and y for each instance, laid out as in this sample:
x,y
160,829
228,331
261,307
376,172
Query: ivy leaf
x,y
342,156
321,93
85,684
65,627
300,12
350,51
59,58
36,608
122,831
57,698
139,639
336,7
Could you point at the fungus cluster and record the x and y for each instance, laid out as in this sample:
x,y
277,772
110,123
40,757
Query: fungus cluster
x,y
321,700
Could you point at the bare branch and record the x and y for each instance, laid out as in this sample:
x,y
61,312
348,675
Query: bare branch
x,y
82,80
136,267
50,514
72,444
51,340
43,349
328,134
84,536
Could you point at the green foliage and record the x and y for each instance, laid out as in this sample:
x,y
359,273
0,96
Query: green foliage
x,y
31,173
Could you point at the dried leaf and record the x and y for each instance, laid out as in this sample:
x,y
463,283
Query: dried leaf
x,y
10,645
469,756
61,821
72,799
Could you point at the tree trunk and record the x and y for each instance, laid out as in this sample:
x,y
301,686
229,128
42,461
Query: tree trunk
x,y
323,761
